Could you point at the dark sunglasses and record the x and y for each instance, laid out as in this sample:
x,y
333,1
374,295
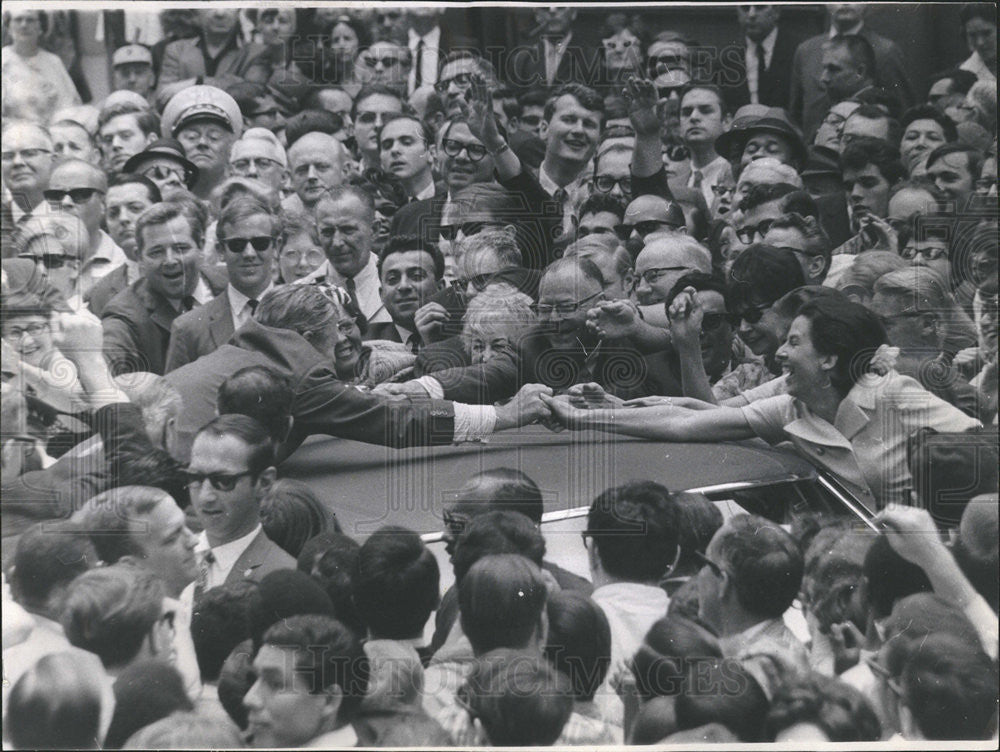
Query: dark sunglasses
x,y
644,227
460,79
677,152
162,172
260,243
387,61
450,232
77,195
453,148
606,183
478,282
752,313
666,92
218,481
51,260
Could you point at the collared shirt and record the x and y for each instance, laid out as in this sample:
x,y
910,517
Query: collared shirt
x,y
975,64
233,44
427,192
751,61
366,283
765,649
574,195
239,304
631,608
428,61
833,33
106,258
712,174
554,52
202,293
865,448
225,555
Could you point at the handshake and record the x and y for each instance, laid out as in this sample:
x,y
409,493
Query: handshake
x,y
535,403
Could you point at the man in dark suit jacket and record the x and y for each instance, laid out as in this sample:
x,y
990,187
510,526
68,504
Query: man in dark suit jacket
x,y
137,320
232,467
808,102
555,58
743,67
214,53
106,288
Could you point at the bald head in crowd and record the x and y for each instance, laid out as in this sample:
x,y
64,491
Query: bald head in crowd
x,y
316,163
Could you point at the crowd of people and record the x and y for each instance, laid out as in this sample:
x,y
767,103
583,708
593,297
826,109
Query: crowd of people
x,y
293,222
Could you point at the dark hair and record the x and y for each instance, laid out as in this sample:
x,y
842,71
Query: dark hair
x,y
261,393
617,22
221,621
536,97
334,570
847,330
501,601
889,578
113,518
861,52
48,557
312,121
598,202
497,532
961,80
765,193
167,211
145,692
635,530
699,520
763,562
839,710
741,707
55,704
698,86
974,156
131,178
425,129
404,243
670,655
285,593
877,112
701,282
985,11
587,97
928,112
950,687
762,274
145,117
139,464
513,491
579,641
246,94
327,653
369,90
241,208
519,699
801,203
865,151
396,583
250,432
292,514
789,304
111,611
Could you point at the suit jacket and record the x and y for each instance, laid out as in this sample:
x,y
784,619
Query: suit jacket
x,y
323,403
578,64
137,325
106,288
774,89
385,330
421,218
200,331
808,102
185,59
261,557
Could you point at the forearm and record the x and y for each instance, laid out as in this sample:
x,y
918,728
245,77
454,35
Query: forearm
x,y
96,380
506,161
694,380
648,338
647,155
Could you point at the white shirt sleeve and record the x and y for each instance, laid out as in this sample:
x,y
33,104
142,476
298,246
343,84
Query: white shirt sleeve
x,y
432,386
474,422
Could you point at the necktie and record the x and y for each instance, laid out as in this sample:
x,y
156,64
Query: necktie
x,y
413,342
418,72
560,195
252,305
188,302
201,585
697,177
352,289
761,69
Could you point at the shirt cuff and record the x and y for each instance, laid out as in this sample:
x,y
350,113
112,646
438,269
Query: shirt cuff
x,y
432,386
474,422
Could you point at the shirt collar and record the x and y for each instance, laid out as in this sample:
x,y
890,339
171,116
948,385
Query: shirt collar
x,y
427,192
226,554
562,43
108,250
855,30
768,42
238,301
549,185
404,333
431,38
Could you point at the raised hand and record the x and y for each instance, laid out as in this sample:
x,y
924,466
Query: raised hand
x,y
911,532
430,319
482,121
686,315
641,98
78,335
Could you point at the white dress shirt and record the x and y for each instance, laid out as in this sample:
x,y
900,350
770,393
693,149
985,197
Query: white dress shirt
x,y
239,304
225,556
976,65
711,174
554,54
574,195
366,286
850,32
751,62
430,59
202,293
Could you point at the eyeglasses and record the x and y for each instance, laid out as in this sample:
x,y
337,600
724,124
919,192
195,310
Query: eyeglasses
x,y
455,523
607,183
77,195
677,152
716,569
261,163
313,258
162,172
644,228
450,232
475,152
387,61
33,330
985,185
479,282
562,309
462,80
668,92
929,254
747,233
260,243
711,322
610,44
753,312
531,121
651,276
26,154
51,260
723,190
218,481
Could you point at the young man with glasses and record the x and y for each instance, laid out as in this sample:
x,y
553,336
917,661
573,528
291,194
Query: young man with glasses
x,y
246,235
79,188
231,468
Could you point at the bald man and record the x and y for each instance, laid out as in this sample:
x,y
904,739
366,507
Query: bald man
x,y
78,188
316,163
